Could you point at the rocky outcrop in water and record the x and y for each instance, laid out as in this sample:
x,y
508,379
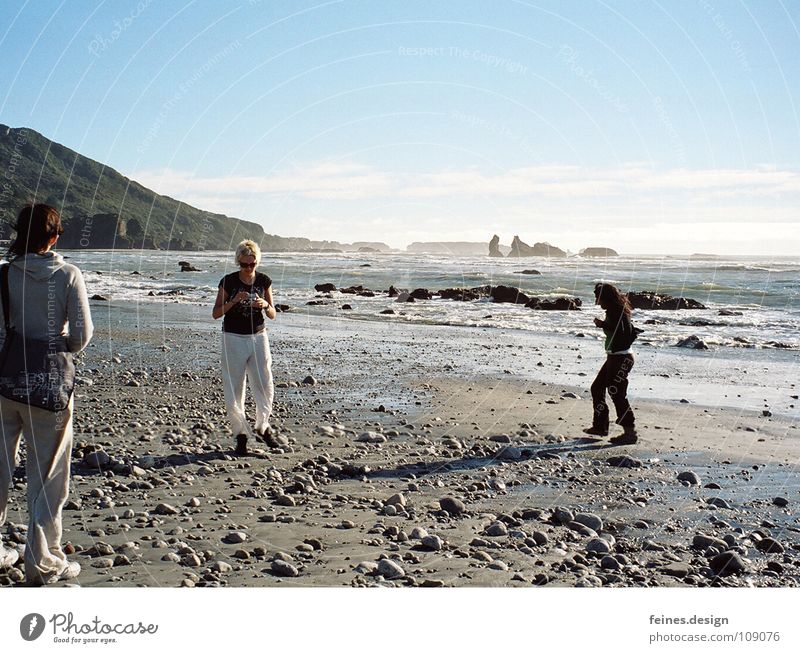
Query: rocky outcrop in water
x,y
557,304
519,249
652,301
509,295
598,252
494,247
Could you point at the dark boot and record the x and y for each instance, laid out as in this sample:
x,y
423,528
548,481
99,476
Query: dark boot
x,y
241,445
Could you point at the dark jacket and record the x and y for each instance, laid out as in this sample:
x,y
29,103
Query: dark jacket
x,y
619,330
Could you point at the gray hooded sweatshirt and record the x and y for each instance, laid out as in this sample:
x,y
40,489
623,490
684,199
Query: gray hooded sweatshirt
x,y
48,298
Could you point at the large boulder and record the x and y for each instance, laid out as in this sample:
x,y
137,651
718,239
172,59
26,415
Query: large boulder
x,y
465,294
421,293
324,287
509,295
652,301
521,249
556,304
494,247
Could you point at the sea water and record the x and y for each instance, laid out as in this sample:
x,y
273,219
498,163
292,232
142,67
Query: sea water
x,y
763,293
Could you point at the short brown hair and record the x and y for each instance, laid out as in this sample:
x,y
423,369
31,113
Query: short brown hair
x,y
36,226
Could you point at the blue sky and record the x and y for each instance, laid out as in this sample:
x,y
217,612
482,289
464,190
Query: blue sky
x,y
652,127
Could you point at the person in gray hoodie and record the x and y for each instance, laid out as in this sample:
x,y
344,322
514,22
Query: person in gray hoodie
x,y
47,299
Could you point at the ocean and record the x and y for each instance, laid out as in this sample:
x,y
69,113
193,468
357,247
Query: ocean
x,y
758,296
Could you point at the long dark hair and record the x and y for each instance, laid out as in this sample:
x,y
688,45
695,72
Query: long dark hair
x,y
609,296
36,226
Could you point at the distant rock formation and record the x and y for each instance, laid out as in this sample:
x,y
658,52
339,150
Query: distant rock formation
x,y
598,252
520,249
494,247
652,301
187,267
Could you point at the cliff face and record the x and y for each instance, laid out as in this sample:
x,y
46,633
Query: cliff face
x,y
103,209
520,249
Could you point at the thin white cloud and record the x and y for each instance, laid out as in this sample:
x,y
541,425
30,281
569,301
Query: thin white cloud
x,y
352,181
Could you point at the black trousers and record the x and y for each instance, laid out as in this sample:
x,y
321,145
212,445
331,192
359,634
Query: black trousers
x,y
613,376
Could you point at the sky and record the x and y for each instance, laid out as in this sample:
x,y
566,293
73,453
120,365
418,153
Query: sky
x,y
651,127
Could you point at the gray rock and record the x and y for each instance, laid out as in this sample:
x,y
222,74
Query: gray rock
x,y
283,568
589,520
623,461
703,542
676,570
371,437
718,502
540,538
235,537
781,502
499,565
598,545
689,477
452,506
433,542
165,509
610,563
727,563
563,515
768,545
497,529
367,567
390,570
309,380
97,459
510,453
396,500
418,533
221,567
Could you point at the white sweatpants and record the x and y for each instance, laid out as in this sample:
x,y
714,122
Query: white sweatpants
x,y
48,437
247,356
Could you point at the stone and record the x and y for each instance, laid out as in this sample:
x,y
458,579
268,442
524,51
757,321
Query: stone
x,y
727,563
221,567
418,533
284,569
563,515
235,537
589,520
768,545
689,477
452,506
676,570
718,502
97,459
371,437
433,542
692,342
598,545
367,567
165,509
703,542
396,500
540,538
497,529
781,502
623,461
610,563
309,380
390,570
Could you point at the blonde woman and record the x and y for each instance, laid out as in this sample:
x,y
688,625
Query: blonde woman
x,y
244,298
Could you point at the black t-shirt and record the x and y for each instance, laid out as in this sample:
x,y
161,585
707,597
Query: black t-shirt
x,y
242,317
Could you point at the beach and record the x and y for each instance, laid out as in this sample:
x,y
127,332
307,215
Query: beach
x,y
422,455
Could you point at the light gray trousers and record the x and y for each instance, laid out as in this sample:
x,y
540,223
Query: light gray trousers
x,y
48,437
247,357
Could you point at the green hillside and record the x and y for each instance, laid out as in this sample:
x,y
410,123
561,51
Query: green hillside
x,y
103,209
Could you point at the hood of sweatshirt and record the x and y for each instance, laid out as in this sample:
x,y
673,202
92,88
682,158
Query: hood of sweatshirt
x,y
39,266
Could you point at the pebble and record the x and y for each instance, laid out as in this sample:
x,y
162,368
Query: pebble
x,y
689,477
418,533
283,568
452,506
589,520
497,529
235,537
727,563
781,502
499,565
433,542
676,570
396,500
768,545
165,509
390,570
598,545
371,437
718,502
221,567
701,541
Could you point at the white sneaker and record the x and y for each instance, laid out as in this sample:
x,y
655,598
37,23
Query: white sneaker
x,y
8,557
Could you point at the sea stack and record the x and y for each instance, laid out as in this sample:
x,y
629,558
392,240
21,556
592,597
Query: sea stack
x,y
520,249
494,247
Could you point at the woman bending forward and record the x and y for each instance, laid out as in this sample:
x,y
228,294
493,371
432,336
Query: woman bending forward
x,y
244,297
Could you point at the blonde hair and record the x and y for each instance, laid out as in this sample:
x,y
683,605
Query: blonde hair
x,y
248,248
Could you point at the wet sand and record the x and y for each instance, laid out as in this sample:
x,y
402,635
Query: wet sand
x,y
418,457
